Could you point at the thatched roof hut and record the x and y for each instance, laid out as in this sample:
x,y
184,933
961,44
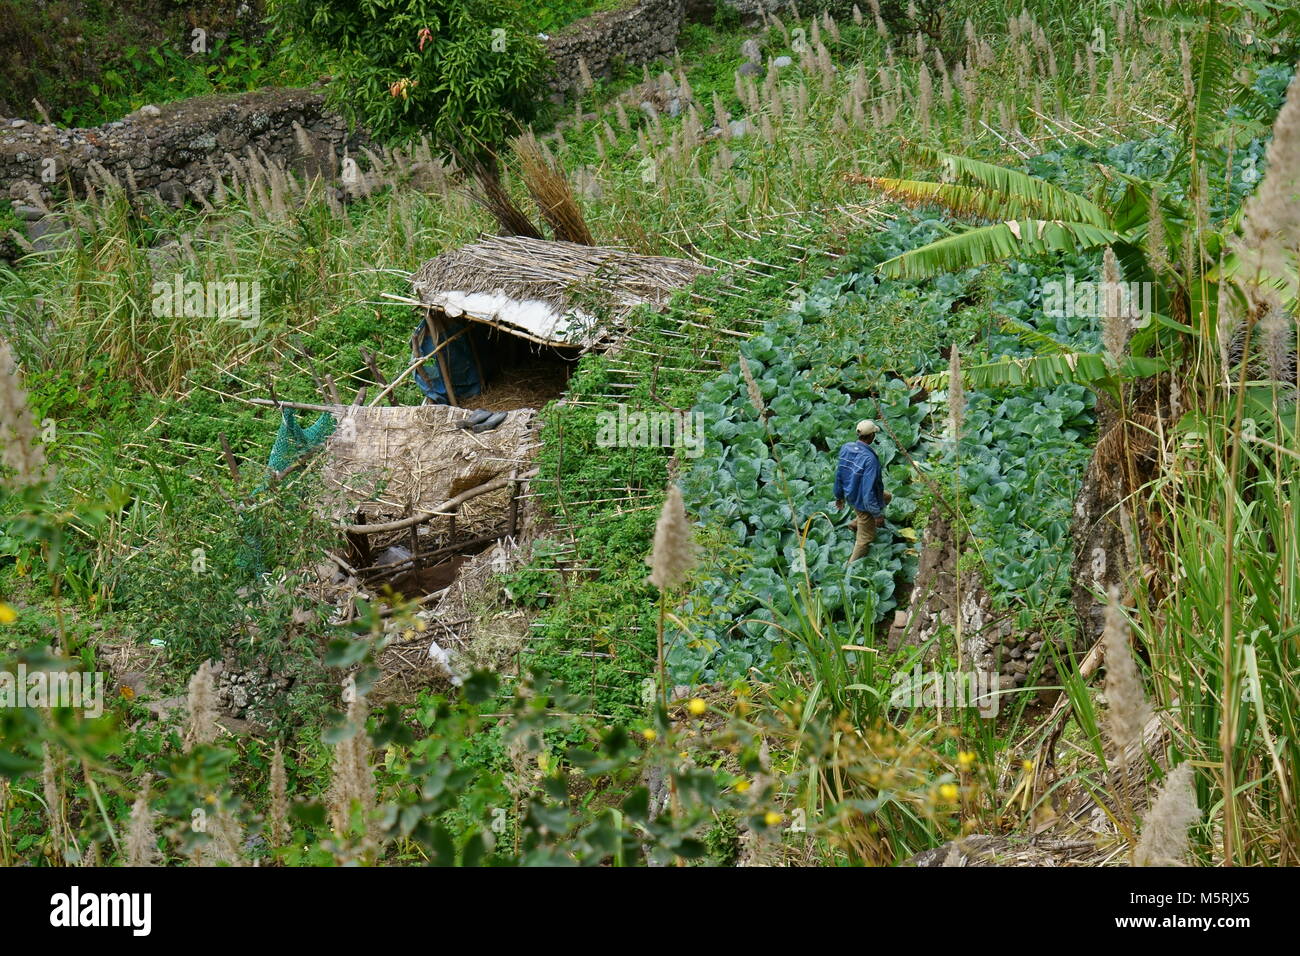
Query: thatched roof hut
x,y
552,293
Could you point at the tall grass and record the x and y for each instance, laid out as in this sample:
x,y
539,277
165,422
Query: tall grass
x,y
1253,692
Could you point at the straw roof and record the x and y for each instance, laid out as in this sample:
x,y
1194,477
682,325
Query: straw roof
x,y
554,293
385,461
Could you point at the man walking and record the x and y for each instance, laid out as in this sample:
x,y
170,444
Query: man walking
x,y
857,480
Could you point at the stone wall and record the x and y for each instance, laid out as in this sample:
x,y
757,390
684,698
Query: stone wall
x,y
639,32
176,150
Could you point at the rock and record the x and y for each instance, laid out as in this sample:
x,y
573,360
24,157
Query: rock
x,y
149,111
161,708
751,51
781,62
749,69
675,106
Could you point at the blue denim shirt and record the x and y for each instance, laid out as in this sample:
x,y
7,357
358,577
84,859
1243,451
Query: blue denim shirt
x,y
857,479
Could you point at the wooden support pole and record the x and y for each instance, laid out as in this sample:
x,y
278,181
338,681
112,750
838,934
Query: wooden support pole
x,y
512,518
435,332
445,508
369,358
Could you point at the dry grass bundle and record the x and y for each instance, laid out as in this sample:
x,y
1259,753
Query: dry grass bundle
x,y
496,199
551,190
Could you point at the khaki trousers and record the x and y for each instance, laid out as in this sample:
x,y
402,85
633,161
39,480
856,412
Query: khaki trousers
x,y
866,525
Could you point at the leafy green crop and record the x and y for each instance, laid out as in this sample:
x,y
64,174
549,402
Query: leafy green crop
x,y
766,483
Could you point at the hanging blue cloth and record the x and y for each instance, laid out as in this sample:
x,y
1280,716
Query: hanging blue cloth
x,y
460,358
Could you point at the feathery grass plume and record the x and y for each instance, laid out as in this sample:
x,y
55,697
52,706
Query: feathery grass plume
x,y
1157,246
202,706
779,24
751,386
966,84
925,96
279,809
721,118
351,781
1275,338
584,75
1228,328
227,846
1271,217
880,21
1185,61
1164,839
886,80
670,562
141,838
673,555
857,15
1114,321
51,770
1024,62
1127,710
825,67
830,25
956,394
684,87
19,449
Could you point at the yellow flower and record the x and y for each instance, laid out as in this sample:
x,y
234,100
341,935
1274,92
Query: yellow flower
x,y
127,692
649,733
772,818
740,786
697,706
7,614
965,760
1028,765
948,793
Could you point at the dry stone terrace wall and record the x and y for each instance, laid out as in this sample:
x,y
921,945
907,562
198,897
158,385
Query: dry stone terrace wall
x,y
639,32
176,150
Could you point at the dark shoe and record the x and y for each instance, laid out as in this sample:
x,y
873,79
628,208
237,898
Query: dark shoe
x,y
489,423
476,417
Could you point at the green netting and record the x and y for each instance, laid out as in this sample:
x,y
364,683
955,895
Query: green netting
x,y
292,441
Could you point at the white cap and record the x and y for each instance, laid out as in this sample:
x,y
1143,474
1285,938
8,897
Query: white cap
x,y
867,427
